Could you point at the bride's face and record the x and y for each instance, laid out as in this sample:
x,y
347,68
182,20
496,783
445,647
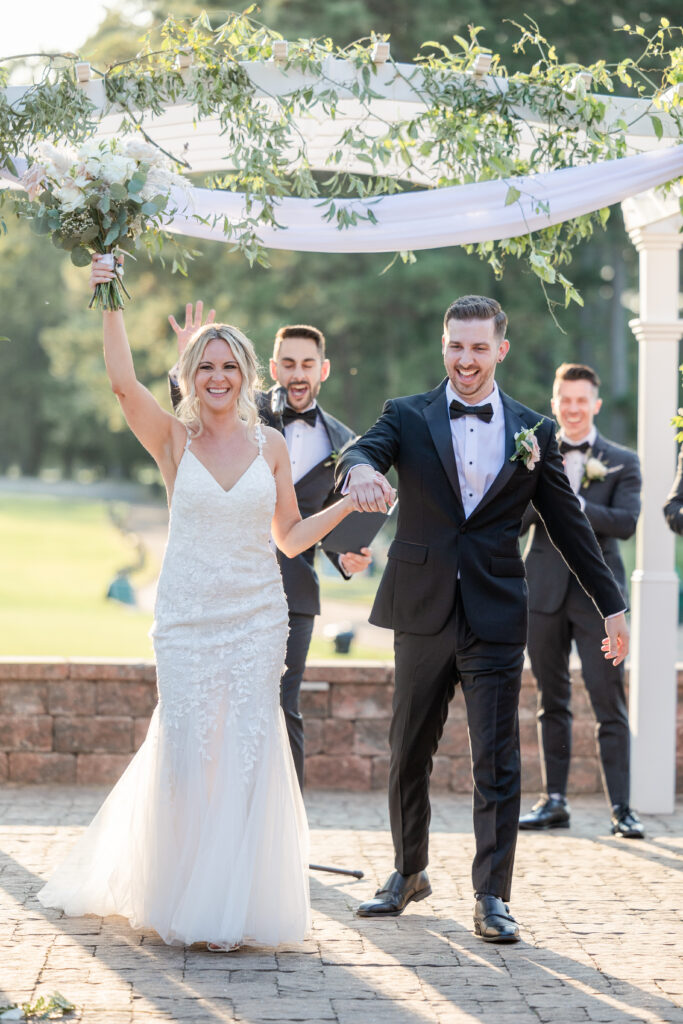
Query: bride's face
x,y
218,378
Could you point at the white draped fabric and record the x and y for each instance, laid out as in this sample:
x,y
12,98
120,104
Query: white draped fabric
x,y
438,217
446,216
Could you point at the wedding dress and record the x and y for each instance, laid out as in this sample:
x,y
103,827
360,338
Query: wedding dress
x,y
204,837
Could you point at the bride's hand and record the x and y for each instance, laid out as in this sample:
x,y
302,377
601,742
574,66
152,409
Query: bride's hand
x,y
193,321
101,272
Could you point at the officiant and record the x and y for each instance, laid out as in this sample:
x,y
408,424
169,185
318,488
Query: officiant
x,y
298,367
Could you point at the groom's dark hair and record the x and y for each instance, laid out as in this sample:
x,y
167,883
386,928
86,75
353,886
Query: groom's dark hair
x,y
477,307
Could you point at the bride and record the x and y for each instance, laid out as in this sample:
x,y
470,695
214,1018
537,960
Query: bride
x,y
204,838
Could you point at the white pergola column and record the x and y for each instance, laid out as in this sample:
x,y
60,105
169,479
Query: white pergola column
x,y
654,583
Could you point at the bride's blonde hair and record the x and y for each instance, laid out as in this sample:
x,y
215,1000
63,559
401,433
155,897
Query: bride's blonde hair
x,y
187,410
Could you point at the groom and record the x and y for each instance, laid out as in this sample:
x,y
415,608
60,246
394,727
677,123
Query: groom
x,y
455,595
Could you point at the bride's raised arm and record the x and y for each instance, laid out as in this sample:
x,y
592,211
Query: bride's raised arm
x,y
153,427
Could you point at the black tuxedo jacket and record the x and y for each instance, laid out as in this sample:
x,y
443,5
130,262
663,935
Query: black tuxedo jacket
x,y
673,510
435,544
612,509
314,492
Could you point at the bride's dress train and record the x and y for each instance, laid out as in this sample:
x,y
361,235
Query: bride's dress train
x,y
204,837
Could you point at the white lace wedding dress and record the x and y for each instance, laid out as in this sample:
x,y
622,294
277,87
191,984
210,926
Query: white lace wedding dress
x,y
204,838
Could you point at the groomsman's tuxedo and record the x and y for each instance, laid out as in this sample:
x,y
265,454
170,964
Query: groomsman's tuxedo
x,y
314,488
673,510
455,593
559,611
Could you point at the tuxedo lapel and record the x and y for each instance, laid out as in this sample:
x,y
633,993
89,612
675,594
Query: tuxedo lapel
x,y
337,438
439,424
513,424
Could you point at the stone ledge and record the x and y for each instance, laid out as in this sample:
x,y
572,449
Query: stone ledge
x,y
81,721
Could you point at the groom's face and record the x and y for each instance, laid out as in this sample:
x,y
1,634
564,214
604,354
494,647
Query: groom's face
x,y
471,352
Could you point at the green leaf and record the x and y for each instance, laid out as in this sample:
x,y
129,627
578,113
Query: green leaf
x,y
657,125
112,234
80,257
512,196
118,193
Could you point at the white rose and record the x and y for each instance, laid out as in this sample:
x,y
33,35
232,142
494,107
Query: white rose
x,y
114,170
595,469
142,151
70,196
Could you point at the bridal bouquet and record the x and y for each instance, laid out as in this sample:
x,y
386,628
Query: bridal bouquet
x,y
110,195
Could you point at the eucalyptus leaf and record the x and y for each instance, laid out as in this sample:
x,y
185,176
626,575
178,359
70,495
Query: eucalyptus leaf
x,y
80,256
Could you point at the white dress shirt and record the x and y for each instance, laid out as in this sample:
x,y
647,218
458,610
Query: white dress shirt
x,y
307,445
574,462
479,447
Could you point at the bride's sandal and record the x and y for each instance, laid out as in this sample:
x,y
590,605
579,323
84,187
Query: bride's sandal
x,y
219,947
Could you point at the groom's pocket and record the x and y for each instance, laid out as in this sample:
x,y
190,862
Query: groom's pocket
x,y
506,565
405,551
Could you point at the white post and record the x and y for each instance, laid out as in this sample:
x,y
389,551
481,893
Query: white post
x,y
654,584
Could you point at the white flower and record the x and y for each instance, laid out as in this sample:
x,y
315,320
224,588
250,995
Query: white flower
x,y
526,447
115,169
142,151
58,162
70,196
595,469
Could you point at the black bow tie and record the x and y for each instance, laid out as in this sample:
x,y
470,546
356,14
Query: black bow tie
x,y
309,416
565,447
482,412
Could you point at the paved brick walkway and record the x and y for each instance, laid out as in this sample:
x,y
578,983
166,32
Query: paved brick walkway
x,y
601,923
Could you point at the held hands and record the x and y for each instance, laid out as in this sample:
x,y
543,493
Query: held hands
x,y
193,321
615,644
369,490
354,561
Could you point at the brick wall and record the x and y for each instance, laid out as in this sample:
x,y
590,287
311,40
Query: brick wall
x,y
81,721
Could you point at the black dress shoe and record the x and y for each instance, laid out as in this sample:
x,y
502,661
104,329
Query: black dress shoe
x,y
626,823
547,813
395,895
493,921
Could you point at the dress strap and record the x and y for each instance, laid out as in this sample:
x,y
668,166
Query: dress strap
x,y
260,438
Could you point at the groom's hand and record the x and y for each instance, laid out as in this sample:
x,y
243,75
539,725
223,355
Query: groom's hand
x,y
615,644
370,490
193,321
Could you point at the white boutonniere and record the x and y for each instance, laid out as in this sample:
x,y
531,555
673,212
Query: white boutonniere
x,y
595,469
526,447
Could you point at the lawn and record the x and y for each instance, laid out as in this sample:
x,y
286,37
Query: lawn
x,y
57,558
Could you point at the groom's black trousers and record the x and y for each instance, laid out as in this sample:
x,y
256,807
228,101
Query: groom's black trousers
x,y
427,671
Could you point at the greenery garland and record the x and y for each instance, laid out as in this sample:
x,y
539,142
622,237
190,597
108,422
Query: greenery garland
x,y
467,129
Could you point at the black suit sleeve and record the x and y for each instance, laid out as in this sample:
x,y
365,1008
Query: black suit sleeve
x,y
619,518
570,532
673,510
378,447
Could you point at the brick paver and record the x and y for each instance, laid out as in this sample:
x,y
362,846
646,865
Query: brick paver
x,y
601,926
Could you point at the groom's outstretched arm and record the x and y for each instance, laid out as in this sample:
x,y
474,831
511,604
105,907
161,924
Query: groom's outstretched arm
x,y
371,456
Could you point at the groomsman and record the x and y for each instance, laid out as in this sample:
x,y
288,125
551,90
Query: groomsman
x,y
469,461
606,479
673,510
314,438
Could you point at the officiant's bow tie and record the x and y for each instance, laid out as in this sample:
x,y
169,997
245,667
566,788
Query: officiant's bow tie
x,y
565,447
309,416
482,412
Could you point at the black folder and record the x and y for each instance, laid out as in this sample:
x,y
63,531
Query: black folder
x,y
357,531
